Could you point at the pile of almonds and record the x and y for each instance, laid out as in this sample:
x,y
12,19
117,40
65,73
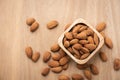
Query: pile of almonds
x,y
80,42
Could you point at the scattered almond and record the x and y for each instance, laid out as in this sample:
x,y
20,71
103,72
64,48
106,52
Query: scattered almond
x,y
53,63
30,21
65,67
62,53
64,60
116,64
29,52
94,69
34,26
88,74
45,71
52,24
56,56
56,69
55,48
35,56
108,42
63,77
77,77
46,56
101,26
82,66
103,56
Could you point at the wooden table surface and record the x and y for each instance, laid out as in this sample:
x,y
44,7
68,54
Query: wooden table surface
x,y
15,35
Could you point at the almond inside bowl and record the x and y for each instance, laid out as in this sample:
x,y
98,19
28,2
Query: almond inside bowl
x,y
81,41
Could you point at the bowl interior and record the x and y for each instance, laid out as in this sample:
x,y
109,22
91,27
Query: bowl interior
x,y
101,42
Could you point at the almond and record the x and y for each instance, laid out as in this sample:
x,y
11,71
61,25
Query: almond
x,y
29,52
55,48
66,44
82,35
83,41
45,71
67,26
103,34
63,77
64,60
116,64
103,56
77,46
77,77
91,47
34,26
108,42
76,28
56,69
46,56
84,50
65,67
82,66
76,52
101,26
62,53
30,21
53,63
94,69
56,56
74,41
69,35
83,27
70,50
77,56
89,31
84,56
35,56
90,39
96,39
52,24
74,35
88,74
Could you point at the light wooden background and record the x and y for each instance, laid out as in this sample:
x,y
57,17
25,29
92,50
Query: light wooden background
x,y
15,34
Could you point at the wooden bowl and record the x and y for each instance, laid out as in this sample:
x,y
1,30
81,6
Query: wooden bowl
x,y
101,41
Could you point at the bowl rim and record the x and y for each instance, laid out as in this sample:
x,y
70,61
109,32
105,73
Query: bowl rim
x,y
101,39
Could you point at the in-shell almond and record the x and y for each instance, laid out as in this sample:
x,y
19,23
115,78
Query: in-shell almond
x,y
69,35
29,52
108,42
34,26
56,56
117,64
103,56
82,35
56,69
45,71
88,74
101,26
77,77
91,47
52,24
53,63
94,69
63,77
30,21
55,48
35,56
64,60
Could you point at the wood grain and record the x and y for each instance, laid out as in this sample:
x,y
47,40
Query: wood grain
x,y
15,34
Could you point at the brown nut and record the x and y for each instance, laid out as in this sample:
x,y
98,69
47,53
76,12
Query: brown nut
x,y
66,44
62,53
116,64
74,41
82,35
96,39
46,56
108,42
65,67
56,56
77,77
103,56
82,66
53,63
55,48
45,71
91,47
64,60
94,69
29,52
35,56
56,69
84,56
77,46
88,74
34,26
30,21
52,24
69,35
101,26
63,77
